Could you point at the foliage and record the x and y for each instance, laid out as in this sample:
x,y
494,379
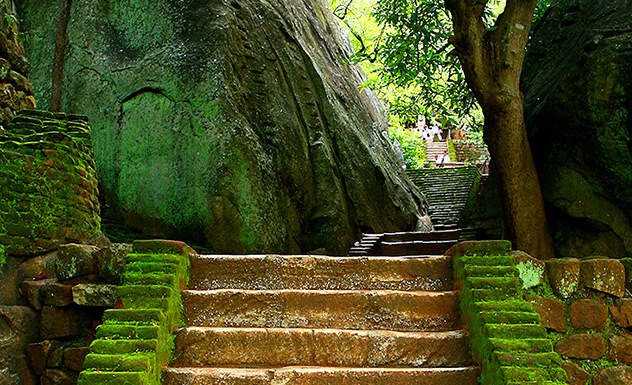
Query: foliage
x,y
412,145
3,255
404,46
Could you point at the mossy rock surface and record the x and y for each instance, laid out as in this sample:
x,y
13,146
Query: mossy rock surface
x,y
238,126
577,79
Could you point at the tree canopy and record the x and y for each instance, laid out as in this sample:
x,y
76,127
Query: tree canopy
x,y
404,46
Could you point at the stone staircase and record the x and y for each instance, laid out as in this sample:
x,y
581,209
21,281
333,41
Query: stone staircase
x,y
450,193
435,149
255,320
406,243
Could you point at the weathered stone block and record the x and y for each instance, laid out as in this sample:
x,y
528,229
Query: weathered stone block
x,y
56,294
111,261
23,371
160,246
56,356
627,263
74,357
576,375
19,326
581,346
32,291
621,348
551,311
59,322
58,377
605,275
94,295
621,311
589,314
480,248
75,260
38,355
531,270
614,375
564,276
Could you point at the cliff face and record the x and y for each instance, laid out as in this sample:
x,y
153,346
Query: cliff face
x,y
16,91
237,124
578,102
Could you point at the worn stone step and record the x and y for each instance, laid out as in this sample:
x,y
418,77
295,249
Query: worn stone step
x,y
358,309
322,376
273,272
421,236
415,247
256,347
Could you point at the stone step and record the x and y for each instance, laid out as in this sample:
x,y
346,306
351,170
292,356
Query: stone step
x,y
322,376
421,236
415,248
273,272
256,347
357,309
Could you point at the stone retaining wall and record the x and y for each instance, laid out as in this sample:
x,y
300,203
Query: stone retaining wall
x,y
63,297
587,312
507,338
48,185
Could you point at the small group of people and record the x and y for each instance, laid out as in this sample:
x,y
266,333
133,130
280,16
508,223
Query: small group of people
x,y
425,131
440,161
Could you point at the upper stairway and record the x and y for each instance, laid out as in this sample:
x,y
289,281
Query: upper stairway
x,y
320,320
435,149
450,193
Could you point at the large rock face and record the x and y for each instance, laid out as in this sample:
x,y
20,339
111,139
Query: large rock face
x,y
578,83
236,124
16,91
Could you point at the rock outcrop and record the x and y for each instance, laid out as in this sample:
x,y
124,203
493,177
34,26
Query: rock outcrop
x,y
235,124
578,83
16,91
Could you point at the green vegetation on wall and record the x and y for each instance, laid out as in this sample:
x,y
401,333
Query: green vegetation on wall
x,y
48,188
135,340
507,338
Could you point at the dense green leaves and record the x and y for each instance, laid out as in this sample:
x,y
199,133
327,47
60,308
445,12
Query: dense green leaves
x,y
404,45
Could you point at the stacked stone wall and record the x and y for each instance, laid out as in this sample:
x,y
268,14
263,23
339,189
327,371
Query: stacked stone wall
x,y
16,91
507,338
470,152
48,185
588,314
63,296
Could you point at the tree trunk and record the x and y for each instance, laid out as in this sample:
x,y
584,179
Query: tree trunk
x,y
60,56
492,63
521,197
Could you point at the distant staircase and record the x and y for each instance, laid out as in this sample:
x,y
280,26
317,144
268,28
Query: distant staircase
x,y
435,149
315,320
450,193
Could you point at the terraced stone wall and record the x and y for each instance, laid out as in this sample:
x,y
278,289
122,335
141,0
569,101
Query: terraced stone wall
x,y
48,185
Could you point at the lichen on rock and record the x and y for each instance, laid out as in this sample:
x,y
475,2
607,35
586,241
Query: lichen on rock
x,y
236,125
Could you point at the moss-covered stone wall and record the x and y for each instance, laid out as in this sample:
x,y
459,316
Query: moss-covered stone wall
x,y
48,185
136,339
587,313
507,338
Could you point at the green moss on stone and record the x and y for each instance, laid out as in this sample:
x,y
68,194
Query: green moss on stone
x,y
113,378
